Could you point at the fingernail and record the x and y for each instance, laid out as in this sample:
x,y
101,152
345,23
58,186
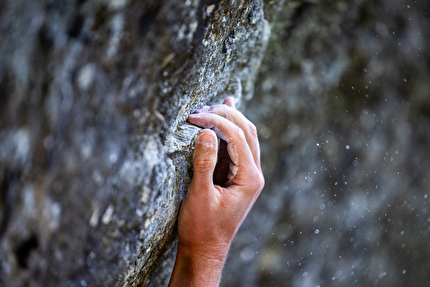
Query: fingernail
x,y
206,139
195,116
204,108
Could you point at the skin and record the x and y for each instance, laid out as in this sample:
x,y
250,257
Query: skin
x,y
226,182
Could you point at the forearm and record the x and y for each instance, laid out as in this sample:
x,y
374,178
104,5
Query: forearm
x,y
194,268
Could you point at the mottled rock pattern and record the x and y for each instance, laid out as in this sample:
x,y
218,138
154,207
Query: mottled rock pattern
x,y
94,146
342,107
95,150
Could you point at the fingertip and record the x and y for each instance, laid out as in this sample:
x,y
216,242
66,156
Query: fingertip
x,y
229,101
207,138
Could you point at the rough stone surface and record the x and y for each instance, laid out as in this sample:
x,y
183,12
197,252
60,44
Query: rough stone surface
x,y
342,107
95,150
94,146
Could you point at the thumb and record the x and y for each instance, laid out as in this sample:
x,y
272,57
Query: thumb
x,y
205,158
229,101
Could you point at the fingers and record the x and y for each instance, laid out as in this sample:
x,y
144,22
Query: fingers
x,y
229,112
205,158
237,146
229,101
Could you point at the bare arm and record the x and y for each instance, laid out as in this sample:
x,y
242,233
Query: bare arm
x,y
224,188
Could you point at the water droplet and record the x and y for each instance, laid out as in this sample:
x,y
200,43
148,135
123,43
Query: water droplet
x,y
382,274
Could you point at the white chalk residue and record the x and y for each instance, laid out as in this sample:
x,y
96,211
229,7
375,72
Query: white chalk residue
x,y
232,152
234,156
117,4
210,9
94,220
152,152
21,141
86,76
107,216
232,171
219,133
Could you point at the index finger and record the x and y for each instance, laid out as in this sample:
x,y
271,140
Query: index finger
x,y
237,118
237,146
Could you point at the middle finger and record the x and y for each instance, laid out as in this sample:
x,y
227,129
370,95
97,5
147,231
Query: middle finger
x,y
242,122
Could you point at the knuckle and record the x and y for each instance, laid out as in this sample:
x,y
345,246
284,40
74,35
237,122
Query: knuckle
x,y
226,112
203,164
240,133
253,130
262,181
259,182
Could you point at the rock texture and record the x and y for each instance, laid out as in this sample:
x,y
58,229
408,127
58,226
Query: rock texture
x,y
95,149
94,146
342,108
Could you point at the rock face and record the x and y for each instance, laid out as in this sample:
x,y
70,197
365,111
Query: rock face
x,y
95,150
342,108
94,146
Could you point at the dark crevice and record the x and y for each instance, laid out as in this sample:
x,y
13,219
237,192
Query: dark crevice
x,y
4,186
100,19
7,86
45,41
75,30
253,13
76,27
8,181
148,18
202,21
24,250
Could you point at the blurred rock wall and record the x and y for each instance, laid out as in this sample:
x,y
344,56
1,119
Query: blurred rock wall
x,y
95,149
94,146
342,107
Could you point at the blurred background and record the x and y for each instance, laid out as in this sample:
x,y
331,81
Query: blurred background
x,y
95,152
342,107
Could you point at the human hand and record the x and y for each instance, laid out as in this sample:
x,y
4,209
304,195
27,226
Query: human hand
x,y
224,187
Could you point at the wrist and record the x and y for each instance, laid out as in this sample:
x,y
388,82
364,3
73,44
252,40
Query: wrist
x,y
198,265
207,252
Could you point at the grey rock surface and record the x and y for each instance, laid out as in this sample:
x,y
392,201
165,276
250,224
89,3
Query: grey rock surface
x,y
95,150
94,146
342,107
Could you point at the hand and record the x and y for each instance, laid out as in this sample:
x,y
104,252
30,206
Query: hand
x,y
224,187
